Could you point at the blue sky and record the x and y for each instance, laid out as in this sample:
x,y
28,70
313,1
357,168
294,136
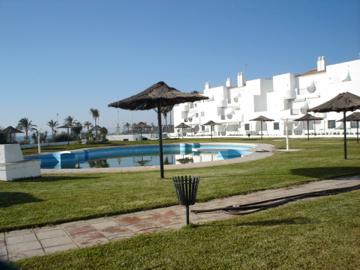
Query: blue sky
x,y
67,56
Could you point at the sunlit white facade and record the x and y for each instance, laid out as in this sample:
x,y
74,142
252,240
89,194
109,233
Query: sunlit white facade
x,y
284,96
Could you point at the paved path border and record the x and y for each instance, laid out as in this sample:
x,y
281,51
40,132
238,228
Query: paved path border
x,y
260,151
21,244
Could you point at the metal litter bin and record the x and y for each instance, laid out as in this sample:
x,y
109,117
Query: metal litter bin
x,y
186,189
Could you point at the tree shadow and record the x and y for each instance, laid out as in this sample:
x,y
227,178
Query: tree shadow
x,y
265,223
322,172
11,198
54,178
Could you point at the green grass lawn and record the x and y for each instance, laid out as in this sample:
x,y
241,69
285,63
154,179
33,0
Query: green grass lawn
x,y
311,234
55,199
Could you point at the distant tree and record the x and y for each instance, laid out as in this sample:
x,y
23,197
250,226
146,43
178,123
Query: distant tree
x,y
87,125
103,133
127,127
53,125
69,121
43,136
26,125
95,115
76,129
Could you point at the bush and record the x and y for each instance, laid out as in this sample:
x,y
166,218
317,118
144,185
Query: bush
x,y
62,137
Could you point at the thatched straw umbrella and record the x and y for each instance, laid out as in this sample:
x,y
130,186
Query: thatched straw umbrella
x,y
343,102
68,127
11,131
211,124
354,117
261,119
182,126
156,97
307,118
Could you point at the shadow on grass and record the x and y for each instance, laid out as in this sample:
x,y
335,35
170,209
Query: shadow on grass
x,y
53,178
269,222
322,172
11,198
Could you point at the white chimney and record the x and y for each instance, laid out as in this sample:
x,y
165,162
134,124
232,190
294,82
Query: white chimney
x,y
228,82
207,85
240,79
321,65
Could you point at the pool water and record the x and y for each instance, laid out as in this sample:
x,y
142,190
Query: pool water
x,y
139,156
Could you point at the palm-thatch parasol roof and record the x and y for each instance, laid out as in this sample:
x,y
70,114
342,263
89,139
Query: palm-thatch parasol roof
x,y
10,133
352,117
11,130
157,97
307,118
356,118
343,102
210,123
66,126
182,125
262,119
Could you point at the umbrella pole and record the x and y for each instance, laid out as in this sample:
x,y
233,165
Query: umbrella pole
x,y
345,146
308,129
357,131
160,142
261,127
211,131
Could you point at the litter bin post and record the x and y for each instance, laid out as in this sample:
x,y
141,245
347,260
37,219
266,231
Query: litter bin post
x,y
186,189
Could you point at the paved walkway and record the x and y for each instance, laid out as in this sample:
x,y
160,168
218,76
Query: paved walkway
x,y
20,244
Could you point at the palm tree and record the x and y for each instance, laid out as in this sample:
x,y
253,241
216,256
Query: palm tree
x,y
53,124
127,126
95,115
26,125
76,129
69,121
87,125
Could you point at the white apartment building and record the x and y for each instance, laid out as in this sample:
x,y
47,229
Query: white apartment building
x,y
284,96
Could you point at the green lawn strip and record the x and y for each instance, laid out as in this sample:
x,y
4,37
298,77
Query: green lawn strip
x,y
56,199
312,234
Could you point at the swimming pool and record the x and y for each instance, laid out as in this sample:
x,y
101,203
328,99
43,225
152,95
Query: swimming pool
x,y
138,156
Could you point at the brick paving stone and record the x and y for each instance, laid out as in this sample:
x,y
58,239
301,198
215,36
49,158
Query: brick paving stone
x,y
104,224
57,241
49,233
18,232
21,239
19,247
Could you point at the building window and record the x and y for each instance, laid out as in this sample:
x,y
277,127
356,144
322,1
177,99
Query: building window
x,y
331,123
196,115
276,126
202,113
353,124
223,117
247,127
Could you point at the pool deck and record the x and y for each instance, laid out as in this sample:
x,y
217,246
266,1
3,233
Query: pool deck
x,y
19,244
260,151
